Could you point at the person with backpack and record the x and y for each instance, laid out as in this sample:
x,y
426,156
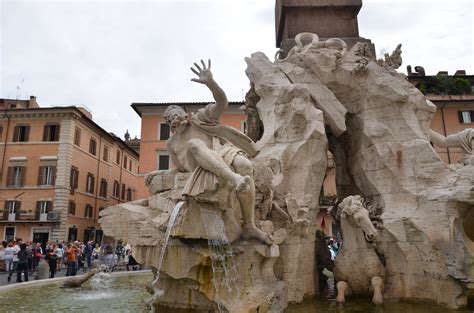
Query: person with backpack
x,y
52,259
22,263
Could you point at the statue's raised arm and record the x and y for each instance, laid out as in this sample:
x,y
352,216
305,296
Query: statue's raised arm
x,y
205,77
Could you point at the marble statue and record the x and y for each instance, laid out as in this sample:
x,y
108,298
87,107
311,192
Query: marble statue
x,y
215,154
463,139
357,268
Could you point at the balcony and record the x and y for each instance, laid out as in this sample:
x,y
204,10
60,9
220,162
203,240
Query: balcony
x,y
25,217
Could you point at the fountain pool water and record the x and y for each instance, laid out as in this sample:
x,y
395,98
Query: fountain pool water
x,y
127,293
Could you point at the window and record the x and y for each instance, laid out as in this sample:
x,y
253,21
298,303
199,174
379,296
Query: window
x,y
74,179
92,146
117,158
71,208
130,165
21,133
90,183
129,194
125,160
124,188
42,209
1,131
11,209
116,192
105,155
466,117
16,176
51,132
103,188
77,137
88,211
163,162
47,175
164,131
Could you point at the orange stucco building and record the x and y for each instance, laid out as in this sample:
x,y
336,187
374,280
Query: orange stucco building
x,y
58,170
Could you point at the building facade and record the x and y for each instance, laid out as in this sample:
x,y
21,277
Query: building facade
x,y
58,170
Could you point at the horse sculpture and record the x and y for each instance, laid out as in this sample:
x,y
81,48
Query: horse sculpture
x,y
358,270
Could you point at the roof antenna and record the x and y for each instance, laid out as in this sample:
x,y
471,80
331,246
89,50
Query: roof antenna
x,y
18,89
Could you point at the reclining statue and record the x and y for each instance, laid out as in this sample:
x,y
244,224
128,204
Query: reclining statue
x,y
215,154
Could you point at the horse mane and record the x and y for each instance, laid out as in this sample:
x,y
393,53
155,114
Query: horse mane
x,y
347,207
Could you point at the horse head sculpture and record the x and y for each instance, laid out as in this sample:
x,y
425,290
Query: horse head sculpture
x,y
352,209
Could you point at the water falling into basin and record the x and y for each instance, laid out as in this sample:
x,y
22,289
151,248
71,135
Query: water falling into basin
x,y
224,272
157,293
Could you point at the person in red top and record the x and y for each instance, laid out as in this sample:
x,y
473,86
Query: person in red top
x,y
71,256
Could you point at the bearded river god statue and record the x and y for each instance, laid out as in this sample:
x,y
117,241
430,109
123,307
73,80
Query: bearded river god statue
x,y
215,154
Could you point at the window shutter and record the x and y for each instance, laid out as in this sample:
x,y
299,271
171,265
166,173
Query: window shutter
x,y
53,175
460,117
40,175
37,211
27,133
22,175
56,134
15,133
9,176
49,206
5,211
76,179
17,209
46,130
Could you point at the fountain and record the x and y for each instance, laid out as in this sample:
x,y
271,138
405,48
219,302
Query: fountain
x,y
241,236
244,238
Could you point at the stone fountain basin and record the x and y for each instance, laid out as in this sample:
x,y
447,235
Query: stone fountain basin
x,y
127,293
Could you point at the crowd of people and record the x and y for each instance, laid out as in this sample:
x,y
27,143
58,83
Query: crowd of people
x,y
23,257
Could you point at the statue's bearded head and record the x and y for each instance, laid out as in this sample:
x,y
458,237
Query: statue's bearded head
x,y
175,116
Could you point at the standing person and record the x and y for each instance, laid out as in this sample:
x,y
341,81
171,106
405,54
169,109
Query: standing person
x,y
22,263
38,253
60,253
72,252
119,251
9,253
52,259
16,249
88,249
29,249
96,252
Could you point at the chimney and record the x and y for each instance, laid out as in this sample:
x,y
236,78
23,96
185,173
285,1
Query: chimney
x,y
32,102
460,73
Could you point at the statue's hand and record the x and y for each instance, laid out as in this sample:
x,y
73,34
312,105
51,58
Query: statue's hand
x,y
204,73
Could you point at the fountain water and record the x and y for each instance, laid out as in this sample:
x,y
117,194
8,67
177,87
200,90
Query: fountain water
x,y
170,225
224,272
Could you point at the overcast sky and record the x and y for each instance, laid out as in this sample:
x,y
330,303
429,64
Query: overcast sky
x,y
107,54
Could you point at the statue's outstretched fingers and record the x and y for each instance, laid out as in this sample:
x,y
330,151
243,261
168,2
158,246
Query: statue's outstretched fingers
x,y
198,67
194,71
208,64
203,64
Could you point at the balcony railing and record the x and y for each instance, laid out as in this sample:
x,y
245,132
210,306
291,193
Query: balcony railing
x,y
24,216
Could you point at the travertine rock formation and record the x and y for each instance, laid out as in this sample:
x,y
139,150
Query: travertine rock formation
x,y
385,155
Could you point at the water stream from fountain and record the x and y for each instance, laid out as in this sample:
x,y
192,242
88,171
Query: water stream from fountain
x,y
157,293
224,272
